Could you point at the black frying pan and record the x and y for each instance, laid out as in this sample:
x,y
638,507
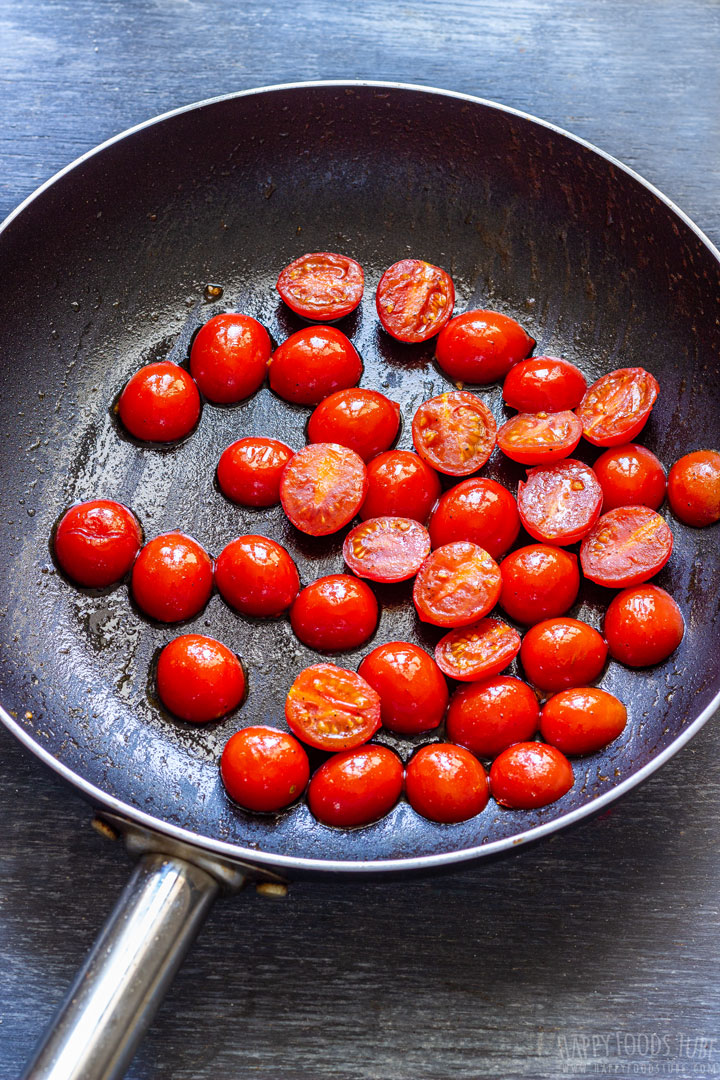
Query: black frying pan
x,y
104,270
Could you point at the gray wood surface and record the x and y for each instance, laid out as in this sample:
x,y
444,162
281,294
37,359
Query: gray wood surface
x,y
594,953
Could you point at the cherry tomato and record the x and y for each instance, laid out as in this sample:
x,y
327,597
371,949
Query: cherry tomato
x,y
413,692
96,542
628,546
481,346
559,653
488,716
356,787
630,475
160,403
264,769
322,488
560,503
456,585
364,420
539,438
332,708
538,582
643,626
172,578
199,679
454,432
229,357
694,488
529,775
616,407
249,471
387,548
544,384
256,576
479,510
313,363
335,612
446,783
582,720
414,300
322,286
400,484
477,651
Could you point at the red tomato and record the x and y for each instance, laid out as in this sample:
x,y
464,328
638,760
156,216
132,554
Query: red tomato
x,y
322,488
558,653
387,548
414,300
529,775
249,471
331,708
616,407
454,432
364,420
481,511
539,438
313,363
256,576
229,357
544,384
627,547
456,585
694,488
481,346
172,578
199,679
356,787
96,542
582,720
446,783
559,503
413,692
400,484
488,716
160,403
322,286
335,612
264,769
643,626
630,475
477,651
538,582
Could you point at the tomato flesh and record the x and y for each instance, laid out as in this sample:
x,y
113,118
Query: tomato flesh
x,y
332,708
249,470
445,783
96,542
455,433
160,403
559,503
322,285
413,692
479,510
363,420
627,547
481,346
256,576
488,716
387,548
172,578
643,626
229,357
630,475
694,488
323,487
313,363
335,612
456,585
544,384
414,300
400,484
529,775
477,651
616,407
263,769
582,720
356,787
199,679
539,438
559,653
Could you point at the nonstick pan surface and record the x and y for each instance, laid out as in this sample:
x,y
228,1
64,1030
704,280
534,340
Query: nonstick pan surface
x,y
104,270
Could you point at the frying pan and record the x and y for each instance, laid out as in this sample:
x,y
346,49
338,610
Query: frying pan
x,y
104,270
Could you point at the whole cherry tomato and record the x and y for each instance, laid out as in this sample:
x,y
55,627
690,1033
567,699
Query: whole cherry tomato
x,y
332,708
414,300
160,403
413,692
540,438
454,433
172,578
456,585
96,542
335,612
630,475
488,716
322,488
199,679
560,503
313,363
249,470
364,420
477,651
479,510
229,357
529,775
322,286
538,582
256,576
400,484
544,384
615,408
481,346
694,488
559,653
643,626
386,548
446,783
356,787
264,769
582,720
628,546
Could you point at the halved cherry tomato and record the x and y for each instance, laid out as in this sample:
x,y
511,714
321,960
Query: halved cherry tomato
x,y
387,548
538,582
172,578
313,363
249,471
529,775
160,403
322,488
445,783
400,484
477,651
630,475
96,542
479,510
414,300
413,692
454,432
544,384
456,585
229,357
694,488
199,679
481,346
264,769
364,420
559,653
488,716
322,285
540,438
643,626
335,612
256,576
356,787
616,407
559,503
628,546
332,708
582,720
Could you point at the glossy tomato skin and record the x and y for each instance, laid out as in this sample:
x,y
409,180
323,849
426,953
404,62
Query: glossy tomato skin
x,y
322,286
314,363
539,438
413,692
332,708
454,432
172,578
630,475
479,510
477,651
560,503
616,407
199,679
445,783
529,775
694,488
560,653
480,347
264,769
456,585
335,612
96,542
386,549
544,384
229,357
414,300
356,787
582,720
249,470
488,716
256,576
643,626
160,403
626,547
400,484
322,487
538,582
364,420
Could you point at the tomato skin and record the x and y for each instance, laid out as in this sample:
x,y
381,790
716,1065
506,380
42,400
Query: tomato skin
x,y
322,285
539,438
313,363
335,612
582,720
249,470
322,488
627,547
400,484
488,716
560,503
229,356
172,578
445,783
480,347
694,488
256,576
630,475
544,384
560,653
456,585
96,542
199,679
332,708
356,787
538,582
454,432
264,769
479,510
364,420
386,549
160,403
529,775
413,692
616,407
643,626
477,651
414,300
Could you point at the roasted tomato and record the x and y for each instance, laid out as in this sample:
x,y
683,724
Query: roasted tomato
x,y
643,626
322,488
249,471
539,438
96,542
331,708
456,585
559,503
446,783
229,357
529,775
264,769
322,286
477,651
335,612
400,484
413,692
481,346
199,679
364,420
356,787
694,488
582,720
160,403
616,407
414,300
544,384
387,548
256,576
538,582
454,432
479,510
488,716
628,546
630,475
559,653
313,363
172,578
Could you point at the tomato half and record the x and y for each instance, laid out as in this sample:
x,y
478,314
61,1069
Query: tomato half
x,y
456,585
544,384
199,679
313,363
529,775
414,300
229,356
356,787
454,432
160,403
249,471
628,546
256,576
477,651
96,542
481,346
332,708
172,578
322,285
559,653
364,420
538,582
582,720
643,626
559,503
694,488
488,716
445,783
615,409
479,510
400,484
335,612
413,692
322,488
264,769
540,438
387,548
630,475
